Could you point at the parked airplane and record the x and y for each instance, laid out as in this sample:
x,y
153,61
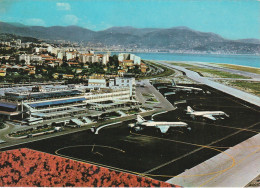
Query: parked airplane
x,y
163,126
184,88
205,114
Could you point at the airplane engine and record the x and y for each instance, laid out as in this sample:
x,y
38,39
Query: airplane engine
x,y
131,125
137,128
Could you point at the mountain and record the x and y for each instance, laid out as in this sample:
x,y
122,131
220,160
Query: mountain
x,y
252,41
9,37
176,38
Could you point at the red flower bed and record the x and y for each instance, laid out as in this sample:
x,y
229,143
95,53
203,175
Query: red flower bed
x,y
26,167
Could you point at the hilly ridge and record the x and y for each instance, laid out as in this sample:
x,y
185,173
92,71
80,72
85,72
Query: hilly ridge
x,y
176,38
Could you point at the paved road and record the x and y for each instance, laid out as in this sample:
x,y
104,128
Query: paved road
x,y
226,89
164,103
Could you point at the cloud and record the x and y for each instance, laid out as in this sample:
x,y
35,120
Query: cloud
x,y
70,19
35,21
63,6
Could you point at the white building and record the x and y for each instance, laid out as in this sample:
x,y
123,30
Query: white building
x,y
19,42
60,55
126,56
49,49
97,83
105,59
136,59
36,58
126,82
70,55
26,58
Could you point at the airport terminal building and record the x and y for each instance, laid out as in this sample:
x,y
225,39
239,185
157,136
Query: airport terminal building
x,y
35,104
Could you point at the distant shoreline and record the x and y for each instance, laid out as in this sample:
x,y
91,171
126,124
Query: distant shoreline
x,y
205,63
175,53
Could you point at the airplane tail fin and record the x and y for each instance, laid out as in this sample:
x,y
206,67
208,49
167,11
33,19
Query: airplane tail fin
x,y
173,83
189,109
226,115
140,119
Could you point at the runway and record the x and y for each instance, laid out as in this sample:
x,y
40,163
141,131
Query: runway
x,y
226,89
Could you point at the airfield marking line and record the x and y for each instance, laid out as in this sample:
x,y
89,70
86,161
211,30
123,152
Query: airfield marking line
x,y
167,163
237,163
132,172
220,106
102,165
88,162
201,147
217,125
110,147
234,100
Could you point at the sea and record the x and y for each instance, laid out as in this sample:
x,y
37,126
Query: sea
x,y
244,60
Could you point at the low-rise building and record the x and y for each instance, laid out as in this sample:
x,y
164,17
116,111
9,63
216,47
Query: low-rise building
x,y
2,73
26,58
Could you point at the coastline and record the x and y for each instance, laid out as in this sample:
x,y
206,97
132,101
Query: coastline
x,y
117,51
207,63
217,63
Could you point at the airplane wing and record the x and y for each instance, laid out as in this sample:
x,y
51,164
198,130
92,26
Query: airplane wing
x,y
209,117
163,129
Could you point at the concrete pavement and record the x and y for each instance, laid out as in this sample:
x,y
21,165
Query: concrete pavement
x,y
226,89
164,103
233,71
235,167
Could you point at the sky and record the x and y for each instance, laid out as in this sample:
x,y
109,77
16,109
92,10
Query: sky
x,y
233,19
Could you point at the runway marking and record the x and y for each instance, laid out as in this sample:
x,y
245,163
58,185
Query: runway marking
x,y
74,146
132,172
218,92
169,162
220,106
201,147
147,174
102,165
218,125
237,163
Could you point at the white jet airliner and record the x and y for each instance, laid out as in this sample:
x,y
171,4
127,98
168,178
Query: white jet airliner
x,y
163,125
206,114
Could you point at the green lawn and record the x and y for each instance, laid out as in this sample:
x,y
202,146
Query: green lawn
x,y
2,125
132,111
26,132
152,100
241,68
252,87
184,65
147,95
217,73
165,73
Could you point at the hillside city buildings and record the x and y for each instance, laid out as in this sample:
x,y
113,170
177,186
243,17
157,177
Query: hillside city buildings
x,y
36,102
28,56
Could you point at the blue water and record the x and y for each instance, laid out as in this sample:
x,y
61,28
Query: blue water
x,y
245,60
